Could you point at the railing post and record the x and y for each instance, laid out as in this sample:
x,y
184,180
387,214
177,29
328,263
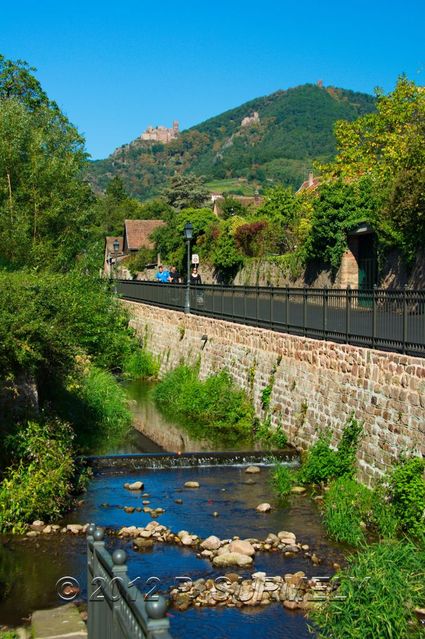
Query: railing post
x,y
233,303
244,303
325,312
257,301
304,311
404,337
97,613
119,570
287,308
373,316
347,314
271,308
90,560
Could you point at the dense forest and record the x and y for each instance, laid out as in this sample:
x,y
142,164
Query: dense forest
x,y
294,128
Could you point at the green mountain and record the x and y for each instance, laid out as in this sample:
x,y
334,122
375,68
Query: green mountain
x,y
285,132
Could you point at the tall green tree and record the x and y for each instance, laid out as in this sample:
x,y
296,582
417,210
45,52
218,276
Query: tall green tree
x,y
44,202
186,191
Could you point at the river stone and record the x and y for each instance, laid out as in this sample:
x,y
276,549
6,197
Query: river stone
x,y
47,530
287,537
250,481
136,485
263,508
191,484
253,469
290,605
211,543
129,509
178,501
75,528
38,525
242,547
33,533
142,544
215,514
232,559
298,490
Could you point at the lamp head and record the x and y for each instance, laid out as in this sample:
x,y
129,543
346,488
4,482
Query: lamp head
x,y
188,231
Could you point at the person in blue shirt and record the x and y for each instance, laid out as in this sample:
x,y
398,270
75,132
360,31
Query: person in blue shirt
x,y
162,275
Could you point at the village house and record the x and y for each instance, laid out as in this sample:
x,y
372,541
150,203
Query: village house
x,y
136,235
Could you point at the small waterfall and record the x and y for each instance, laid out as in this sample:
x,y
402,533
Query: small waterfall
x,y
130,462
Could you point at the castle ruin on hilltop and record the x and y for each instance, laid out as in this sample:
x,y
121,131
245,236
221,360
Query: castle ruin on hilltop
x,y
161,133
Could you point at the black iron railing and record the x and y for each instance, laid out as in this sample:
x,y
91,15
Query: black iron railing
x,y
392,320
116,607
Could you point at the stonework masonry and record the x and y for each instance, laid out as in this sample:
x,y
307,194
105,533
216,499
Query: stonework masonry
x,y
316,384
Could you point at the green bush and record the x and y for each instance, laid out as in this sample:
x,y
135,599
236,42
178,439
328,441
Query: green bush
x,y
140,364
322,463
40,482
406,491
379,591
96,405
214,408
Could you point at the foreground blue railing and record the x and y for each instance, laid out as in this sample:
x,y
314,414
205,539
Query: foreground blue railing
x,y
391,320
116,608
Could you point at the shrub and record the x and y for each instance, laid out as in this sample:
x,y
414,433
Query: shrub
x,y
40,482
406,491
97,406
322,463
213,408
379,591
140,364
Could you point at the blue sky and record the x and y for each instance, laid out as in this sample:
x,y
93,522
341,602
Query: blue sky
x,y
116,67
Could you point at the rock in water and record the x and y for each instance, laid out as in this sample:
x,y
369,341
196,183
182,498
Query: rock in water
x,y
211,543
242,547
232,559
191,484
253,470
137,485
263,508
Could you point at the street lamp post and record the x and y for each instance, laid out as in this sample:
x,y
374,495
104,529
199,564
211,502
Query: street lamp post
x,y
188,234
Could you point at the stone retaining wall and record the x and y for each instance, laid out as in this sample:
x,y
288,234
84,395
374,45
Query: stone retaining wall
x,y
315,384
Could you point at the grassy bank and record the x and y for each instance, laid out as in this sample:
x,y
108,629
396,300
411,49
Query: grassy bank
x,y
213,408
69,336
385,578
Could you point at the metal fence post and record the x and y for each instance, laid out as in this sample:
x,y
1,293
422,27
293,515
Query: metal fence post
x,y
304,311
325,312
257,301
347,314
404,338
287,308
119,570
271,308
373,316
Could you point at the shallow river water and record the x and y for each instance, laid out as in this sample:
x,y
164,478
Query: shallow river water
x,y
30,568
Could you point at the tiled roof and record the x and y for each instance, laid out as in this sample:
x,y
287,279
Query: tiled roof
x,y
309,185
137,233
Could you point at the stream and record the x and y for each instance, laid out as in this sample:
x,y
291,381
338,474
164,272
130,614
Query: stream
x,y
30,568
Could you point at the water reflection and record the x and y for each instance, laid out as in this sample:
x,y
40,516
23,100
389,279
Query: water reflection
x,y
166,433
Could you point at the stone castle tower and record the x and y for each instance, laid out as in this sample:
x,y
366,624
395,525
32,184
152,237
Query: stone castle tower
x,y
161,133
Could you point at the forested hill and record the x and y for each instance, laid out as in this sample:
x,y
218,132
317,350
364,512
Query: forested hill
x,y
294,127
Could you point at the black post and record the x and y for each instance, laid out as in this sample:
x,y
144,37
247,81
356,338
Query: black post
x,y
325,312
404,340
187,301
304,311
373,316
347,314
287,308
271,308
